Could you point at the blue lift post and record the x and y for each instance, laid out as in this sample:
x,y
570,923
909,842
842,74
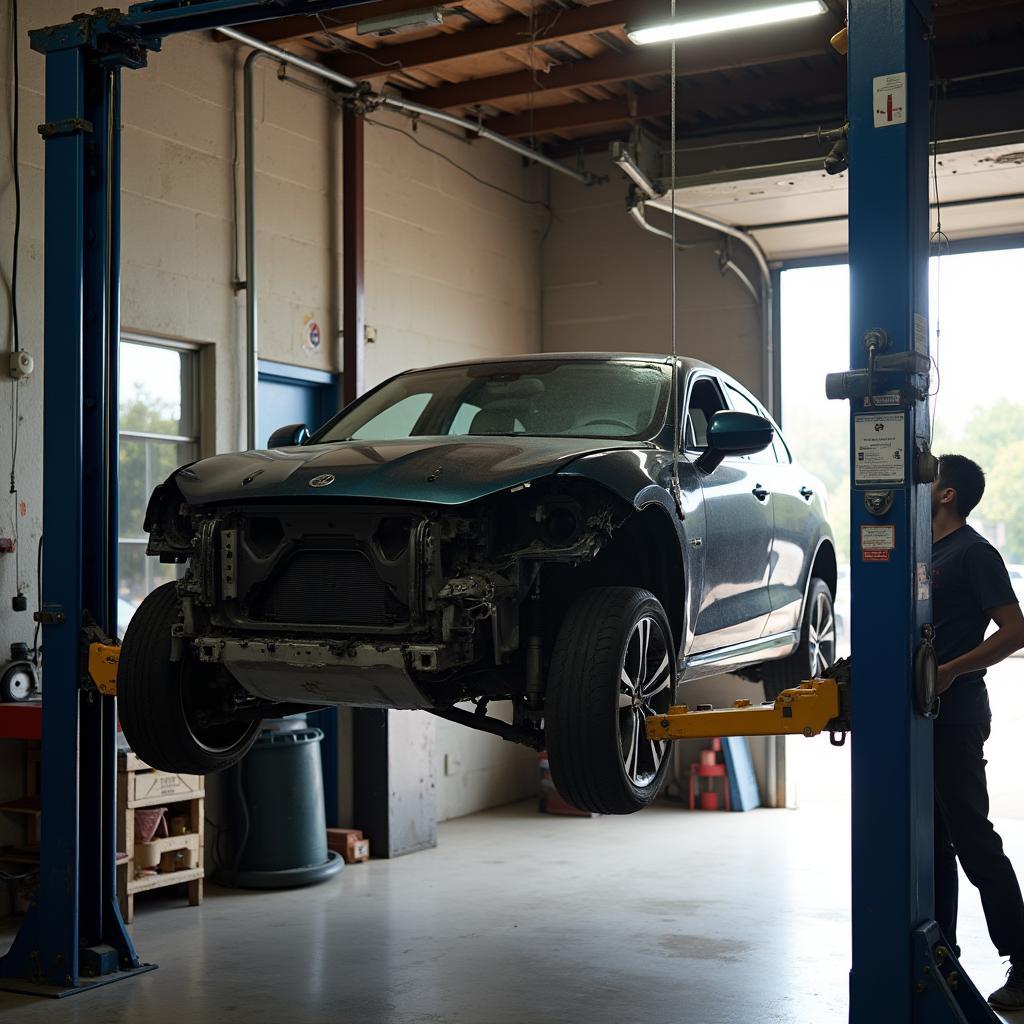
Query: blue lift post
x,y
73,937
902,969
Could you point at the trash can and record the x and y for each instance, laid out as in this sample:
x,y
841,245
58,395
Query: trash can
x,y
276,796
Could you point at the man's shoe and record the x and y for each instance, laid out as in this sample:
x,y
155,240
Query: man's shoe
x,y
1011,995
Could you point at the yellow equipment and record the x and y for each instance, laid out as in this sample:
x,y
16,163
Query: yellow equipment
x,y
806,710
103,661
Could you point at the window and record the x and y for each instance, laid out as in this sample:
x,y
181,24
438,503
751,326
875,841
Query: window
x,y
397,420
705,401
541,398
741,403
158,432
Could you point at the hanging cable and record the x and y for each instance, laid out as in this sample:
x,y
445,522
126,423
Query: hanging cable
x,y
15,175
676,411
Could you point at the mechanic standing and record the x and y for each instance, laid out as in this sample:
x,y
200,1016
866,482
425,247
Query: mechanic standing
x,y
970,588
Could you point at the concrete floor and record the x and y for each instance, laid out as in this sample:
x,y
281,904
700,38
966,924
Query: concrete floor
x,y
661,917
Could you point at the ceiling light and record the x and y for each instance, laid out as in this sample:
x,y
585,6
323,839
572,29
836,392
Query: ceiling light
x,y
390,24
690,28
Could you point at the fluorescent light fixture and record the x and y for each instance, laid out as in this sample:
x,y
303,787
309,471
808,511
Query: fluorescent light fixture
x,y
691,28
390,24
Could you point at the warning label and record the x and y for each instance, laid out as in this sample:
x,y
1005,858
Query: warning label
x,y
877,542
890,99
880,453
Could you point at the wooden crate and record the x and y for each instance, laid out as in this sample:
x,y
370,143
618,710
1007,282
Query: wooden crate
x,y
138,785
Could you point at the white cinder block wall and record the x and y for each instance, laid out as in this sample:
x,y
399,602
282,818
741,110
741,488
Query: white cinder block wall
x,y
607,284
452,272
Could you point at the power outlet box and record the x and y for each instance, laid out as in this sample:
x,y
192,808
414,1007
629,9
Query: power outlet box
x,y
452,764
21,365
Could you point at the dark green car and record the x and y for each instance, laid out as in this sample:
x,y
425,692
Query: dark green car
x,y
505,530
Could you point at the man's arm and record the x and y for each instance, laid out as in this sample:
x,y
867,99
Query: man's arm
x,y
1006,640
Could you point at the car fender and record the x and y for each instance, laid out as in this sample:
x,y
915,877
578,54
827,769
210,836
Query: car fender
x,y
643,478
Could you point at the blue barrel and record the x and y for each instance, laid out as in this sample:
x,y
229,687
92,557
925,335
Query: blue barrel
x,y
276,796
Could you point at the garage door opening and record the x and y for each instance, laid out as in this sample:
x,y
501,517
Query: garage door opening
x,y
978,410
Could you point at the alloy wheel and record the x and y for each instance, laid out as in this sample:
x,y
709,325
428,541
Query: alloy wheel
x,y
821,635
645,689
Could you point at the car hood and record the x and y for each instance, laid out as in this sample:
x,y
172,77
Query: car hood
x,y
440,470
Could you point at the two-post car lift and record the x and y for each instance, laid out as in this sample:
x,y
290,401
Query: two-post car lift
x,y
74,938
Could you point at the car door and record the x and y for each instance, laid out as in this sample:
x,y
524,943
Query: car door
x,y
735,604
796,520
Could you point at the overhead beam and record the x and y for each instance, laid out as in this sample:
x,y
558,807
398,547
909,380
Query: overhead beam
x,y
550,25
781,43
639,106
300,26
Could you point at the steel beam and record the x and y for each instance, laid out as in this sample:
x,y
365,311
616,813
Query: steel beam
x,y
893,978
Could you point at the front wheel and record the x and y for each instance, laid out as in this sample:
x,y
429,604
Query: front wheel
x,y
817,650
163,704
612,666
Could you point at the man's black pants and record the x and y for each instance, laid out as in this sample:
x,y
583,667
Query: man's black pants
x,y
962,830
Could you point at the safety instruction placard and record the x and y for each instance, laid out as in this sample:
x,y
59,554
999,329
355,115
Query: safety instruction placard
x,y
879,446
877,542
890,99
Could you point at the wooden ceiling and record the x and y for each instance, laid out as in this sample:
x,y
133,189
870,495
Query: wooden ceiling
x,y
564,75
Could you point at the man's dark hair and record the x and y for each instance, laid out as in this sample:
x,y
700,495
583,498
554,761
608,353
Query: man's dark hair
x,y
966,477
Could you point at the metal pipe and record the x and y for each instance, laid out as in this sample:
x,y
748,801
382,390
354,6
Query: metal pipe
x,y
727,263
407,106
623,158
251,308
637,213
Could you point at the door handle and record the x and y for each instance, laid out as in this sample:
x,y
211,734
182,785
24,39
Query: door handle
x,y
807,493
760,492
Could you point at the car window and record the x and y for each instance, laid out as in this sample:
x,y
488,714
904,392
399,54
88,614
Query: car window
x,y
599,398
397,420
741,403
705,400
463,419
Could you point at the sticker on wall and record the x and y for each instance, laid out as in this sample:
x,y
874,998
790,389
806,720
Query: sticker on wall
x,y
311,336
890,99
877,543
924,583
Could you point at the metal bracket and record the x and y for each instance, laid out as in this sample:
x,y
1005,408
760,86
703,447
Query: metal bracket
x,y
68,126
49,615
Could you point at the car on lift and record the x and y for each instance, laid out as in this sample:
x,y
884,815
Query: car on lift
x,y
573,534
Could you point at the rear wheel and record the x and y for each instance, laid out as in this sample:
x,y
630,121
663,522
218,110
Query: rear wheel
x,y
162,704
817,650
613,665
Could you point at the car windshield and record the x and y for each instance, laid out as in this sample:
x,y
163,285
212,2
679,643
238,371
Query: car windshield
x,y
543,398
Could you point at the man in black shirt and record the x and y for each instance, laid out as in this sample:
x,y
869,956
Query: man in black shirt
x,y
970,588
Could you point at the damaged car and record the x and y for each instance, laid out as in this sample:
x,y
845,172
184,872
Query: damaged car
x,y
575,535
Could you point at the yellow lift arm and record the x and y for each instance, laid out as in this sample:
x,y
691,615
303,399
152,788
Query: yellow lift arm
x,y
806,710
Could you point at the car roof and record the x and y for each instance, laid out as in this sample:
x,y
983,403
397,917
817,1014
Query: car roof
x,y
685,362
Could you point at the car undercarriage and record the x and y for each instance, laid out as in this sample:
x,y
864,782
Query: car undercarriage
x,y
381,604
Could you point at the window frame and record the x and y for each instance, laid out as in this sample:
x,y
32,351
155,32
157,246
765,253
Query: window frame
x,y
196,439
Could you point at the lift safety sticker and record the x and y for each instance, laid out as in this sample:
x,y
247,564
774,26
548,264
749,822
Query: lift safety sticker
x,y
877,542
879,443
890,99
924,583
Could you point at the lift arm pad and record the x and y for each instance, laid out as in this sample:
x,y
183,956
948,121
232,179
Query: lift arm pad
x,y
806,710
103,661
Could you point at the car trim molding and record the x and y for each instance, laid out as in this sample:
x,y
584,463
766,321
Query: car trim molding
x,y
742,651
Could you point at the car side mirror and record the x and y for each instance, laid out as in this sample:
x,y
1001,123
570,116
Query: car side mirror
x,y
286,437
734,433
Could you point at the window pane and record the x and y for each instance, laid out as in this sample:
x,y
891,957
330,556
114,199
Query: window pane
x,y
138,576
143,465
396,421
157,389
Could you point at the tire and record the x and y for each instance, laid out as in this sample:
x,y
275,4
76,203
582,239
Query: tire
x,y
19,682
817,650
599,755
158,698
